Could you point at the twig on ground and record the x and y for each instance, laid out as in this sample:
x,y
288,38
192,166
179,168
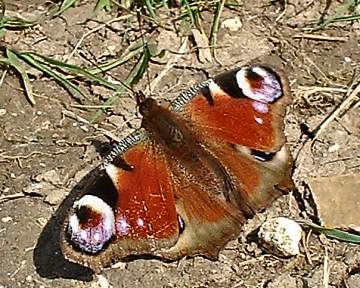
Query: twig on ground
x,y
308,90
317,67
326,270
90,106
18,269
3,77
252,261
305,242
4,157
320,37
11,197
72,115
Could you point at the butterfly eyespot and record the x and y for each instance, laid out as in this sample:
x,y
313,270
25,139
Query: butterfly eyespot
x,y
181,223
92,225
260,84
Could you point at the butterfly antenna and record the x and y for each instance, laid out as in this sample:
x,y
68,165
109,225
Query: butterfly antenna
x,y
139,97
144,43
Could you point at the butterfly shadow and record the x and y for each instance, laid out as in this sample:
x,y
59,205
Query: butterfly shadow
x,y
48,258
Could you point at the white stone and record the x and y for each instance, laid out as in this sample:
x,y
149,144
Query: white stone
x,y
280,236
103,282
6,219
233,24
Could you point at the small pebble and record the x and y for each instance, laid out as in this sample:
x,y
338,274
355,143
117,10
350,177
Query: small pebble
x,y
28,278
103,282
334,148
233,24
280,236
353,281
6,219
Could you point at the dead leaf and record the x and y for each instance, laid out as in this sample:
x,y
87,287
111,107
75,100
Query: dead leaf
x,y
202,42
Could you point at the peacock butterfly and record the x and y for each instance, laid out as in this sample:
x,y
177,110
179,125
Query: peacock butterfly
x,y
186,181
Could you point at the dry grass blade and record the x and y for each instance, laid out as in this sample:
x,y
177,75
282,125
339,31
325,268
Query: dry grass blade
x,y
168,67
93,31
11,197
320,37
340,109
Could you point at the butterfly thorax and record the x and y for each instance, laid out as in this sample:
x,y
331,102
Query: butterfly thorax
x,y
174,136
167,129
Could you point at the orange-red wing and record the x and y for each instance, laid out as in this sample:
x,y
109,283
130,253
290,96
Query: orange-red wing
x,y
146,204
145,215
256,183
208,221
221,111
239,118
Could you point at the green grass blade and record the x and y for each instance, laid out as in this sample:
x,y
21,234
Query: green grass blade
x,y
16,23
332,233
73,69
112,64
66,4
190,12
340,11
135,74
151,9
2,32
346,18
72,88
14,61
102,5
215,26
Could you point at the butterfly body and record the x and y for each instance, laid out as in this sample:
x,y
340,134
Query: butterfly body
x,y
186,183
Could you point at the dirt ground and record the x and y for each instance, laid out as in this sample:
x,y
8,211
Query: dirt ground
x,y
45,153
